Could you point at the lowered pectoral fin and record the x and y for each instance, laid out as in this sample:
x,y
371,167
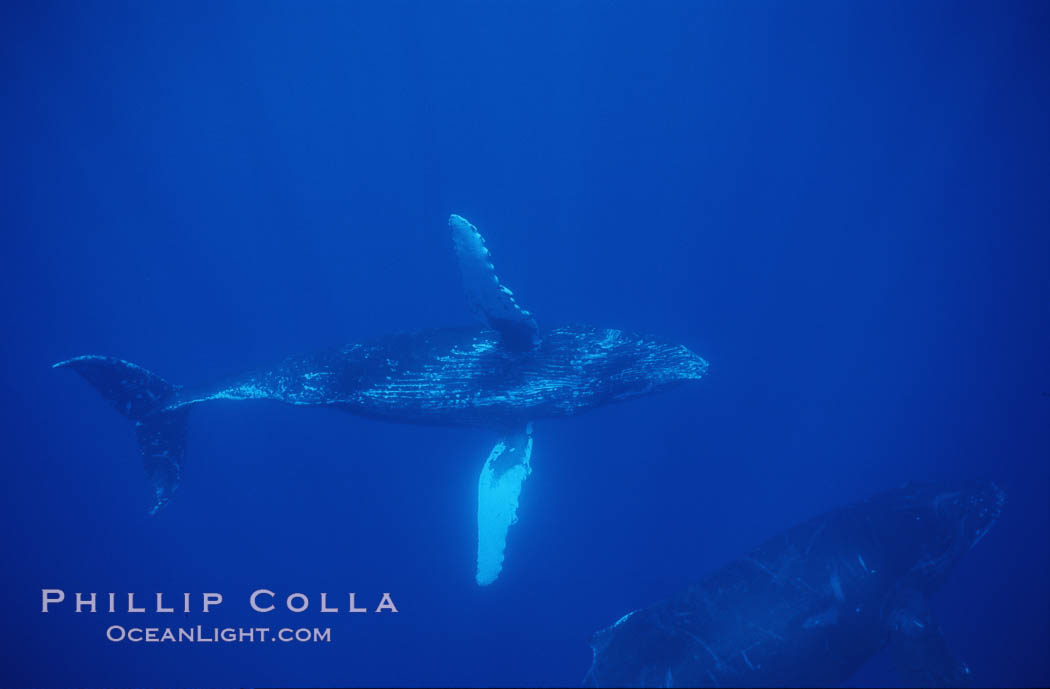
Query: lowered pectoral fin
x,y
920,652
499,486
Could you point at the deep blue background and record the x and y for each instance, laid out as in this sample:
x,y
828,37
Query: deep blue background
x,y
843,206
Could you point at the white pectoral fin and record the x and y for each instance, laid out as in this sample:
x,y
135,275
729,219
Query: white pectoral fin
x,y
499,486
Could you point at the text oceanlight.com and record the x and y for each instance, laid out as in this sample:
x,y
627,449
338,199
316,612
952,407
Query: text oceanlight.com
x,y
201,634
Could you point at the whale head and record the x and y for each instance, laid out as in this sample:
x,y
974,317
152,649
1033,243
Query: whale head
x,y
622,365
935,524
650,364
971,508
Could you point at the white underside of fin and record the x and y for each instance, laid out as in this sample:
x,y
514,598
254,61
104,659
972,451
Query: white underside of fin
x,y
499,487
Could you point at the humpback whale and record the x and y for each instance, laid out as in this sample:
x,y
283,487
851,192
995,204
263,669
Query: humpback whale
x,y
502,375
812,604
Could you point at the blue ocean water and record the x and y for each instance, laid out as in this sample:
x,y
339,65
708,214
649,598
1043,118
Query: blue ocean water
x,y
842,206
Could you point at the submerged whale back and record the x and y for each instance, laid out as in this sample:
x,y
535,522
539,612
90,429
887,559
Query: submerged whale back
x,y
812,604
465,377
448,376
757,621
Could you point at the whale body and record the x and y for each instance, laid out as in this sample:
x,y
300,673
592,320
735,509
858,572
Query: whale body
x,y
812,604
503,375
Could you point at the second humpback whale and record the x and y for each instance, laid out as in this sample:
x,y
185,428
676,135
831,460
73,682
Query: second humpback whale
x,y
814,603
503,377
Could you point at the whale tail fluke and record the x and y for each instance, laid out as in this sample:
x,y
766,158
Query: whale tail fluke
x,y
143,397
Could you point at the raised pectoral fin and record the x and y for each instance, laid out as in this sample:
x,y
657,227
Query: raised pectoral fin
x,y
499,486
920,652
494,302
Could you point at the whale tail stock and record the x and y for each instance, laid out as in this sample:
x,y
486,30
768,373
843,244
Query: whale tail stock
x,y
142,396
